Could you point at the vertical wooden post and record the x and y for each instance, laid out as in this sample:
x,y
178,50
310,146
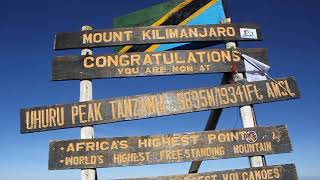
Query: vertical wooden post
x,y
246,112
211,125
86,95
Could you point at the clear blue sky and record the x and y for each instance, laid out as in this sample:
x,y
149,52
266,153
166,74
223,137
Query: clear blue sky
x,y
291,30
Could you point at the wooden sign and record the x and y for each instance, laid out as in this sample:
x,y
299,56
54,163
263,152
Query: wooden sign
x,y
169,148
152,63
280,172
173,12
160,35
154,105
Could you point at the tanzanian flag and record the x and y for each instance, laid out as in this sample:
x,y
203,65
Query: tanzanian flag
x,y
173,12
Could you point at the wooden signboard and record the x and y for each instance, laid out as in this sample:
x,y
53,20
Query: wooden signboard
x,y
154,105
279,172
160,35
169,148
152,63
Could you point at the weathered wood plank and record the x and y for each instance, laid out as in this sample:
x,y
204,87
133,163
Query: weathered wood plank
x,y
279,172
154,105
169,148
159,35
152,63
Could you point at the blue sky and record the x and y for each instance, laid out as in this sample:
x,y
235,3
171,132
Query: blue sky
x,y
27,30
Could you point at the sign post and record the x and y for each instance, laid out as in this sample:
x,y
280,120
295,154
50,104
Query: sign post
x,y
87,132
89,153
246,112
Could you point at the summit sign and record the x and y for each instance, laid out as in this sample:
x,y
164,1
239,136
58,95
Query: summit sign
x,y
139,64
168,148
152,35
154,105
